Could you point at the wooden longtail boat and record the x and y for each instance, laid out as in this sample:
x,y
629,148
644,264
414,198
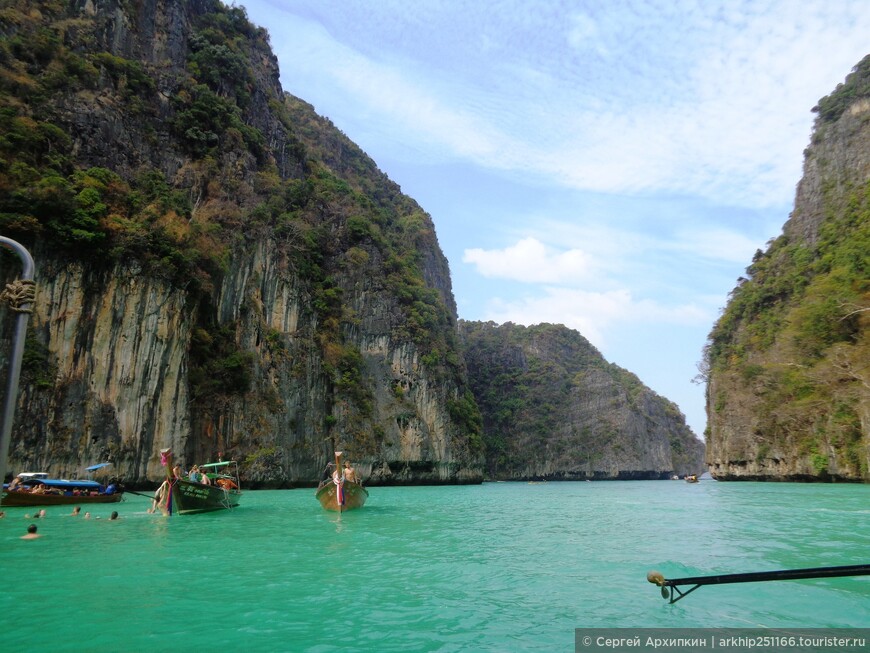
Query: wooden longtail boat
x,y
183,496
37,489
340,494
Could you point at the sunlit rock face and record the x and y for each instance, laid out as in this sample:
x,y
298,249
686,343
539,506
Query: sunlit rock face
x,y
243,282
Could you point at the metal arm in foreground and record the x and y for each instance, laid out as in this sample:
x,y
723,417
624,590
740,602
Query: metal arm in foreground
x,y
20,297
671,586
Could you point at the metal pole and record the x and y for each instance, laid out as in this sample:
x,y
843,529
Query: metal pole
x,y
671,586
23,311
782,574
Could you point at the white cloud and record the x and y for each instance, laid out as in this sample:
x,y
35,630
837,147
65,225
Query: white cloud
x,y
590,251
531,261
567,286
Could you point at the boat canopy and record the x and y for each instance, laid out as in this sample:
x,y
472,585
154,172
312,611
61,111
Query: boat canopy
x,y
65,484
93,468
221,464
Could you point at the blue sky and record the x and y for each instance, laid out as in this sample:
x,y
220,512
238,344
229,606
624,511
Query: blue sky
x,y
607,165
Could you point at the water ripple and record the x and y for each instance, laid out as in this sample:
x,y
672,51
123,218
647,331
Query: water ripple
x,y
498,567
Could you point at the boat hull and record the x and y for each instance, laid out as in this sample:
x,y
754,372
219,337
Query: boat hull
x,y
355,496
190,497
17,499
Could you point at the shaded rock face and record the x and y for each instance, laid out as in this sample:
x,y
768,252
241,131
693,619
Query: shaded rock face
x,y
553,408
318,315
788,393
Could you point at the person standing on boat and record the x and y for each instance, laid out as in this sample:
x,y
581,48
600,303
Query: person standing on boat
x,y
349,473
194,474
205,479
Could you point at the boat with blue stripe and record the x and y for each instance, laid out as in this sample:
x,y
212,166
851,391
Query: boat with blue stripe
x,y
38,489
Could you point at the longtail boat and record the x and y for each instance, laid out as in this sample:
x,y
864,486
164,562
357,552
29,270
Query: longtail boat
x,y
341,494
183,496
37,489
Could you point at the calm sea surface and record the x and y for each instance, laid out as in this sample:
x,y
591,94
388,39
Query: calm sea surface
x,y
497,567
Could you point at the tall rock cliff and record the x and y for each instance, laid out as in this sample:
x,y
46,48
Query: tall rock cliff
x,y
219,269
553,408
788,393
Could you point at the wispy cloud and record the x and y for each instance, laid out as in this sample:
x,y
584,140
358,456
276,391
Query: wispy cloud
x,y
715,245
688,98
591,313
592,292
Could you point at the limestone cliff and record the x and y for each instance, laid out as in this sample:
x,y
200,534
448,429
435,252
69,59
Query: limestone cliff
x,y
788,393
553,408
219,269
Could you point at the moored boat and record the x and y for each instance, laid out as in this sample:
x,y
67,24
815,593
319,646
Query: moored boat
x,y
691,478
218,490
342,491
37,489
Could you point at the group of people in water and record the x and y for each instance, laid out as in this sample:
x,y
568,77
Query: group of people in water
x,y
32,530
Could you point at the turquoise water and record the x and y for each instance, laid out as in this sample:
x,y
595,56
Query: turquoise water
x,y
497,567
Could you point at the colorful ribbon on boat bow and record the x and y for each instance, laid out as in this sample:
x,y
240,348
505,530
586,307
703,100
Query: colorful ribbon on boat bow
x,y
339,490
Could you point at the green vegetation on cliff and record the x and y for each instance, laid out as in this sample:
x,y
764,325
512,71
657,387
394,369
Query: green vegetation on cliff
x,y
185,230
856,87
795,335
553,407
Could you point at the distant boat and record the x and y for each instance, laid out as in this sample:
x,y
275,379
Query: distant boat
x,y
37,489
183,496
338,493
691,478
